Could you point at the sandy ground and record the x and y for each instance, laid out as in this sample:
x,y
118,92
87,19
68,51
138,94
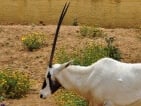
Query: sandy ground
x,y
13,54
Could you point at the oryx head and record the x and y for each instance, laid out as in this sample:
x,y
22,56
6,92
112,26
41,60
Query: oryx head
x,y
50,84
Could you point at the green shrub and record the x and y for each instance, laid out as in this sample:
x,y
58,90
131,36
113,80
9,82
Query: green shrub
x,y
13,83
33,40
111,50
89,54
62,56
75,22
84,30
68,98
91,31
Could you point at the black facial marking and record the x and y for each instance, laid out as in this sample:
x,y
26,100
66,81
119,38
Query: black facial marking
x,y
44,84
54,85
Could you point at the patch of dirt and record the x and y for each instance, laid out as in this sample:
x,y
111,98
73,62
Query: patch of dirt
x,y
13,54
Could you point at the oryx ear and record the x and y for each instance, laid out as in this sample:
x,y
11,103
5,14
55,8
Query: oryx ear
x,y
62,67
65,65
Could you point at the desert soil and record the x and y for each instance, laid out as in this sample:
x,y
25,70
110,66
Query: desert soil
x,y
13,54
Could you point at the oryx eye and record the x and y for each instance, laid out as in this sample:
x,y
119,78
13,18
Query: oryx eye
x,y
49,75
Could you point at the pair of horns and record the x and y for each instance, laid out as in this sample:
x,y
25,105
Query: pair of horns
x,y
57,31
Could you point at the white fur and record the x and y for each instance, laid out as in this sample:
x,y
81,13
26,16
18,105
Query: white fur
x,y
105,83
46,91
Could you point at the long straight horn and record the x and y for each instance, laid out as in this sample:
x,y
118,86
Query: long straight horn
x,y
57,31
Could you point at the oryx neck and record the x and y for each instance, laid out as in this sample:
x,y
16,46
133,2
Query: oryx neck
x,y
74,77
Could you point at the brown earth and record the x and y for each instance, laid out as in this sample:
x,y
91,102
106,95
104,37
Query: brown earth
x,y
13,53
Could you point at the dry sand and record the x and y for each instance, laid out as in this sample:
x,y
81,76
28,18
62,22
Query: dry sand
x,y
13,54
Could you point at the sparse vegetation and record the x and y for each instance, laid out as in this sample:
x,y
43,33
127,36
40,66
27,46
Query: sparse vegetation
x,y
33,40
36,67
13,84
91,31
90,53
75,22
111,50
68,98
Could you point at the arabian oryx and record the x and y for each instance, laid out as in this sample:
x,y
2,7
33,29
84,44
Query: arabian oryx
x,y
106,82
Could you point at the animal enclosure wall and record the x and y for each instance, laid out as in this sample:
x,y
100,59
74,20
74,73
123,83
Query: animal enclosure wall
x,y
105,13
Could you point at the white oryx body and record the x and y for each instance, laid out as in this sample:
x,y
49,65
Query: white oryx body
x,y
107,82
